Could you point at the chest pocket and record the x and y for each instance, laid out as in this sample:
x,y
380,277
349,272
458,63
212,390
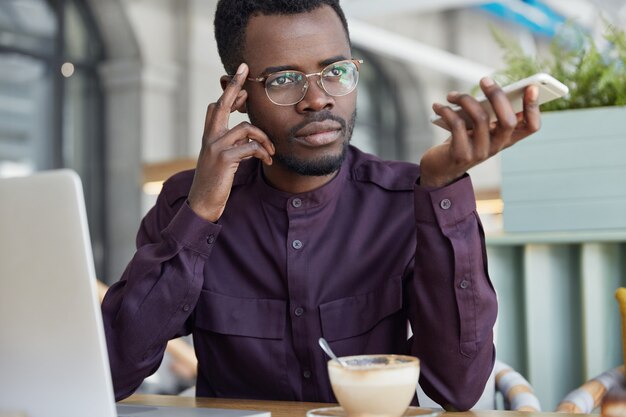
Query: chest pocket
x,y
240,346
235,316
353,316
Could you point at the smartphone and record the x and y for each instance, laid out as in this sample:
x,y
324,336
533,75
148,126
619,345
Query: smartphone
x,y
549,89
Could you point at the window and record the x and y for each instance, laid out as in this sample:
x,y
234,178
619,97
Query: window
x,y
50,99
389,100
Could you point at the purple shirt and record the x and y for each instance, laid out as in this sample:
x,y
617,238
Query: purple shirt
x,y
351,261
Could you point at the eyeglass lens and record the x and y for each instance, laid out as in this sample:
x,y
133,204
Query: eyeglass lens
x,y
289,87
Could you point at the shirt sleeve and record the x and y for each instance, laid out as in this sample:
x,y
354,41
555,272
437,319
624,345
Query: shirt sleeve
x,y
157,292
452,303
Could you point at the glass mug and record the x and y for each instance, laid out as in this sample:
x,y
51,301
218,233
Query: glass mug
x,y
374,385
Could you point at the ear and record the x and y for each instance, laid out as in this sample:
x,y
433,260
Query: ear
x,y
224,81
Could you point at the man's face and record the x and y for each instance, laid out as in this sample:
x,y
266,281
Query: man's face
x,y
311,136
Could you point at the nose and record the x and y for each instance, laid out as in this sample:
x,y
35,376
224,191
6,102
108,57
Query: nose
x,y
315,99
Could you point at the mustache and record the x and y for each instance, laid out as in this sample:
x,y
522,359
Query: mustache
x,y
317,117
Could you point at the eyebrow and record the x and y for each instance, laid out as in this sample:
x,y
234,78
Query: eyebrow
x,y
324,63
329,61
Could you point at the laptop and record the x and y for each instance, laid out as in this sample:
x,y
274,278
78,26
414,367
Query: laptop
x,y
53,357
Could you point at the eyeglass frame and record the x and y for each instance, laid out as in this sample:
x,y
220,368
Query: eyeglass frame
x,y
357,63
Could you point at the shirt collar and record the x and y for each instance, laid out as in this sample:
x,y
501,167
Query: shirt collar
x,y
315,198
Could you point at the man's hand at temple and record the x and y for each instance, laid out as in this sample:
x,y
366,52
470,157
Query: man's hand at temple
x,y
223,149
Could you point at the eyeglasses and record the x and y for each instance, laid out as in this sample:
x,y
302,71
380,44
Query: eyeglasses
x,y
286,88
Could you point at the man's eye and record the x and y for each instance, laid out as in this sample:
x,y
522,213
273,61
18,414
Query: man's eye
x,y
337,71
284,80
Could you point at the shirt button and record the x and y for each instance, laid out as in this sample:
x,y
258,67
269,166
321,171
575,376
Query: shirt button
x,y
296,202
464,284
296,244
445,204
306,374
210,239
298,311
186,308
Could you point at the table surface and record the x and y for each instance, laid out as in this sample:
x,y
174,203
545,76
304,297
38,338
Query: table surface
x,y
299,409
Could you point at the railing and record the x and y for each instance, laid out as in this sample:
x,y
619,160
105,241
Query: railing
x,y
559,323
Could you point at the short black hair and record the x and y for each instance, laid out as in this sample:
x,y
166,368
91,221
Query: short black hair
x,y
232,16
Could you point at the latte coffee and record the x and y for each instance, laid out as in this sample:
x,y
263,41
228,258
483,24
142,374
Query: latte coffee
x,y
374,385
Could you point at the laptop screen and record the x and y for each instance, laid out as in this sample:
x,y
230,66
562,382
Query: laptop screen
x,y
53,357
53,353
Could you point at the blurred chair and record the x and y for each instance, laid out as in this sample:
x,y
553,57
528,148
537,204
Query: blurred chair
x,y
590,395
516,391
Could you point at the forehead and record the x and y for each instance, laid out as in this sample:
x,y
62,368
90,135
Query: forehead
x,y
300,40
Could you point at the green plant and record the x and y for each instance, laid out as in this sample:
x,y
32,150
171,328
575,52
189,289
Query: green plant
x,y
595,77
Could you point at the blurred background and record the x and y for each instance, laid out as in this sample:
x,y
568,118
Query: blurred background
x,y
118,89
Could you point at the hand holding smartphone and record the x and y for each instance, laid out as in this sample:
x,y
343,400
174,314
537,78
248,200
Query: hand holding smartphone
x,y
549,89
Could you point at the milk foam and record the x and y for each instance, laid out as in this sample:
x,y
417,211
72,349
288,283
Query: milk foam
x,y
373,377
374,374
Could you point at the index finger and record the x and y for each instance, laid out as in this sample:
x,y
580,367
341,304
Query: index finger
x,y
223,106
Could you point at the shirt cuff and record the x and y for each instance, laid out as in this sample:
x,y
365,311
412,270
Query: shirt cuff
x,y
446,205
191,231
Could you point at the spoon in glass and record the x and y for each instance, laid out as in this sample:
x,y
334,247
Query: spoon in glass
x,y
326,348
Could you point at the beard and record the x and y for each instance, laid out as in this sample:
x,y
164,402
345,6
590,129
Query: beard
x,y
320,166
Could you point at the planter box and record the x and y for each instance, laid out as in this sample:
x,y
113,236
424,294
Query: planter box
x,y
571,175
